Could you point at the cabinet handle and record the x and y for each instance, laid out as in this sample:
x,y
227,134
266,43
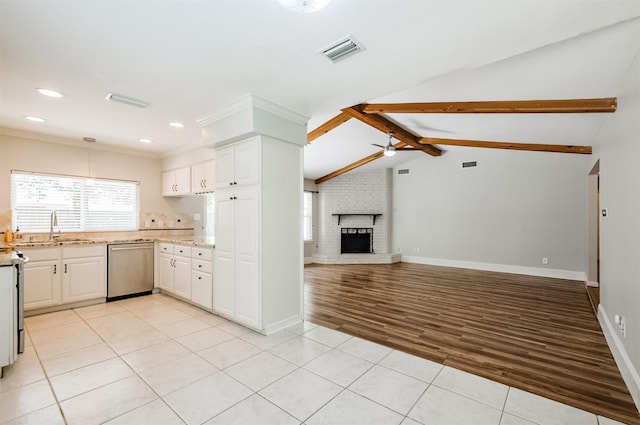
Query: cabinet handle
x,y
230,183
231,198
199,277
200,266
235,183
65,268
205,183
199,253
55,269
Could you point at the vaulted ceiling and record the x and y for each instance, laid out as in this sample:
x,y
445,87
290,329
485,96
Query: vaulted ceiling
x,y
191,58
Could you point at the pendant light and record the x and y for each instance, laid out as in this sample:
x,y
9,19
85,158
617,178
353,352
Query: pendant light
x,y
90,140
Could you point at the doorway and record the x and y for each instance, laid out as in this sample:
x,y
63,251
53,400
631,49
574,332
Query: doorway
x,y
593,237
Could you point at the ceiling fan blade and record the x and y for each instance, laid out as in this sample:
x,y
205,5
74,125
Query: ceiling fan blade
x,y
380,146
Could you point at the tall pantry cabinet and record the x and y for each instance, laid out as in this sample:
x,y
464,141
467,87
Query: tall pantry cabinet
x,y
258,233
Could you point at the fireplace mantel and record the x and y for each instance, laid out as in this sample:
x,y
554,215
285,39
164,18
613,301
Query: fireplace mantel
x,y
372,215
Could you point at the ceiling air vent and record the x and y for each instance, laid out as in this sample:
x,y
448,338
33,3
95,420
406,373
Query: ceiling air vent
x,y
126,100
342,49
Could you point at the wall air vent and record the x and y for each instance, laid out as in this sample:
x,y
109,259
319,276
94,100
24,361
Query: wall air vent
x,y
342,49
403,171
126,100
469,164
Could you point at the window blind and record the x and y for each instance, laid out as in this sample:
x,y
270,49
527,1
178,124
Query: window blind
x,y
81,204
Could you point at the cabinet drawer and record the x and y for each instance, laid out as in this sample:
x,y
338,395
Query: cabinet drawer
x,y
165,247
181,250
44,254
202,266
202,254
84,251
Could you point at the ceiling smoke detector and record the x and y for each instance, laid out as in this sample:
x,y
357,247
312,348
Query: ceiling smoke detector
x,y
342,49
126,100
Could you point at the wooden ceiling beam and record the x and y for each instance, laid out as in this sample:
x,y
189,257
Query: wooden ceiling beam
x,y
358,163
559,106
334,122
385,125
507,145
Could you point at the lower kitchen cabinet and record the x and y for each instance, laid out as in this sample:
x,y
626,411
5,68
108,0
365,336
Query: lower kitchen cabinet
x,y
202,277
64,275
84,274
174,269
186,272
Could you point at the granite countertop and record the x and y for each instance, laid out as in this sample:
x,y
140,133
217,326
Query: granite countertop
x,y
191,241
8,257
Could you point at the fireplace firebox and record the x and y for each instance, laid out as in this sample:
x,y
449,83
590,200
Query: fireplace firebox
x,y
356,240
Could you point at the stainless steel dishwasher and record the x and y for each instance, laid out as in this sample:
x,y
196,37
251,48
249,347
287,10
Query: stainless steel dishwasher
x,y
129,270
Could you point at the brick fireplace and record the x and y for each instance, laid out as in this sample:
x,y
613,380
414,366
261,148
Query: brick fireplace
x,y
355,201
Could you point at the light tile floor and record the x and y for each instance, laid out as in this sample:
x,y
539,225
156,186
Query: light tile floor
x,y
156,360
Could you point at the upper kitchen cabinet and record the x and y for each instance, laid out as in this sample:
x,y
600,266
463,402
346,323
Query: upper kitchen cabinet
x,y
238,165
203,177
176,182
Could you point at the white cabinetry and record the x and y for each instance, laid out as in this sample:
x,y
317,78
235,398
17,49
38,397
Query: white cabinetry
x,y
63,275
174,265
176,182
258,233
203,177
84,274
202,277
42,278
8,316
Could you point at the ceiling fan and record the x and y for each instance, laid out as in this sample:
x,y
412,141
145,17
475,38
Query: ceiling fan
x,y
391,150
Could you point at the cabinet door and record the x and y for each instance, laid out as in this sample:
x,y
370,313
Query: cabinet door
x,y
165,271
197,178
247,163
209,175
202,289
225,175
224,289
247,290
83,279
182,277
41,284
168,183
183,181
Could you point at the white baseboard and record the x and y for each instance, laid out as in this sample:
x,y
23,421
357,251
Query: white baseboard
x,y
593,284
503,268
627,370
282,324
308,260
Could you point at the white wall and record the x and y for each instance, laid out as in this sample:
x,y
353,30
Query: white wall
x,y
311,247
618,149
510,211
47,154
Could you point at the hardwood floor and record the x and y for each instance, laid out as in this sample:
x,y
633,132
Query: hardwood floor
x,y
536,334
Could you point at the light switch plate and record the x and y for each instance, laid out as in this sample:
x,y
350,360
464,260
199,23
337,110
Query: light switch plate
x,y
196,217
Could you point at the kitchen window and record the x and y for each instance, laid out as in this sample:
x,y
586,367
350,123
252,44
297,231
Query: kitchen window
x,y
81,203
307,216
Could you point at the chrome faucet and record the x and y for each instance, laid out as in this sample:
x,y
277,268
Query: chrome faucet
x,y
54,222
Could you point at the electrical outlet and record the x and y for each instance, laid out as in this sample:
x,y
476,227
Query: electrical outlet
x,y
196,217
545,260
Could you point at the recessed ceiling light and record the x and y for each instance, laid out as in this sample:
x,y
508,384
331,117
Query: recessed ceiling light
x,y
50,93
146,141
304,6
34,119
176,124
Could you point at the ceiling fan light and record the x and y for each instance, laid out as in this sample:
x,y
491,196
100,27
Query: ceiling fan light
x,y
389,151
304,6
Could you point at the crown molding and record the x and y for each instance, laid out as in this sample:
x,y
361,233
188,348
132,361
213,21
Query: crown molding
x,y
248,101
